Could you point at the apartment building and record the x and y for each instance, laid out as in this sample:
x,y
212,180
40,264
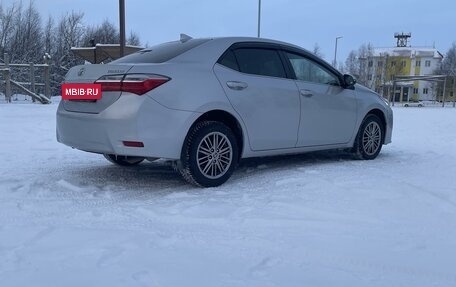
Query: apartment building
x,y
382,65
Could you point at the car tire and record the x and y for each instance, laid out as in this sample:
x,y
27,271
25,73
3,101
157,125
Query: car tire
x,y
420,106
209,155
123,160
369,139
406,105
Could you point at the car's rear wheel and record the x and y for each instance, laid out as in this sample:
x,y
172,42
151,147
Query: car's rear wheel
x,y
123,160
369,139
209,155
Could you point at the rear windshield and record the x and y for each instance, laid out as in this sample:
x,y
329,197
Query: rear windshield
x,y
162,52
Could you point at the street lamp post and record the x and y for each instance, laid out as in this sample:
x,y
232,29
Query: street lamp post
x,y
335,52
122,26
259,17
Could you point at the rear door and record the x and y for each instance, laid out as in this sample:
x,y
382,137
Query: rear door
x,y
328,111
255,80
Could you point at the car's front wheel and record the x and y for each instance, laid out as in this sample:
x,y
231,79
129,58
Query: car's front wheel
x,y
123,160
369,139
209,155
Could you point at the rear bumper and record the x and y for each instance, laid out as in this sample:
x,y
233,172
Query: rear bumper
x,y
131,118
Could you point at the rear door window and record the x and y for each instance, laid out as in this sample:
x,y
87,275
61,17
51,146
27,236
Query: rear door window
x,y
229,60
258,61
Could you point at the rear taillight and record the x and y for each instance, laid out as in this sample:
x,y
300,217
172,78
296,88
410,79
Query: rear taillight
x,y
138,84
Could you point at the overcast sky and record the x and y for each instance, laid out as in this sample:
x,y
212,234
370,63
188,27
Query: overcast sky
x,y
300,22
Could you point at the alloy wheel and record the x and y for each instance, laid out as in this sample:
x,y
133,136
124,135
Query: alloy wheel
x,y
214,155
372,137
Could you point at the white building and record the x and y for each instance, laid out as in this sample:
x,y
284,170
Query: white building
x,y
383,64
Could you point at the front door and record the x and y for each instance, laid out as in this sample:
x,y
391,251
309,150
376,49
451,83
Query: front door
x,y
328,111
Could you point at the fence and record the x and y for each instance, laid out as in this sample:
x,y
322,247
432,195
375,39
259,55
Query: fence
x,y
28,88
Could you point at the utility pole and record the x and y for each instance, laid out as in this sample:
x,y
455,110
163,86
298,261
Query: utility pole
x,y
335,52
122,26
259,17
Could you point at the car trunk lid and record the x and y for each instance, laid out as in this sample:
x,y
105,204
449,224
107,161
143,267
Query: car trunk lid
x,y
89,74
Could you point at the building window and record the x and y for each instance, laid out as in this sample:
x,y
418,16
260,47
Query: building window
x,y
451,94
393,63
425,91
418,63
415,90
369,77
403,64
380,64
427,63
370,63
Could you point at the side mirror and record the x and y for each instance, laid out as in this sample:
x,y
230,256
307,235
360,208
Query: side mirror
x,y
349,81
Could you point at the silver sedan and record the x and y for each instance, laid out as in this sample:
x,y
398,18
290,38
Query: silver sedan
x,y
207,103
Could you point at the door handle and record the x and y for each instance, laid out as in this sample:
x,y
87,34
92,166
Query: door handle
x,y
237,86
306,93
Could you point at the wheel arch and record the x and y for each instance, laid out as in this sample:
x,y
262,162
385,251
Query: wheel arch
x,y
226,118
381,115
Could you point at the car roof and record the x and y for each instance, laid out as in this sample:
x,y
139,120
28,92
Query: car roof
x,y
214,47
236,39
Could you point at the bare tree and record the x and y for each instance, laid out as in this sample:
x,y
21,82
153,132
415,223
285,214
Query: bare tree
x,y
449,62
352,64
359,63
26,39
106,33
449,68
365,56
6,26
71,30
56,73
49,36
133,39
317,50
341,67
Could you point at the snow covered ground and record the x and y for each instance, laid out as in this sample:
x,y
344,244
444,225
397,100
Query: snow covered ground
x,y
69,218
